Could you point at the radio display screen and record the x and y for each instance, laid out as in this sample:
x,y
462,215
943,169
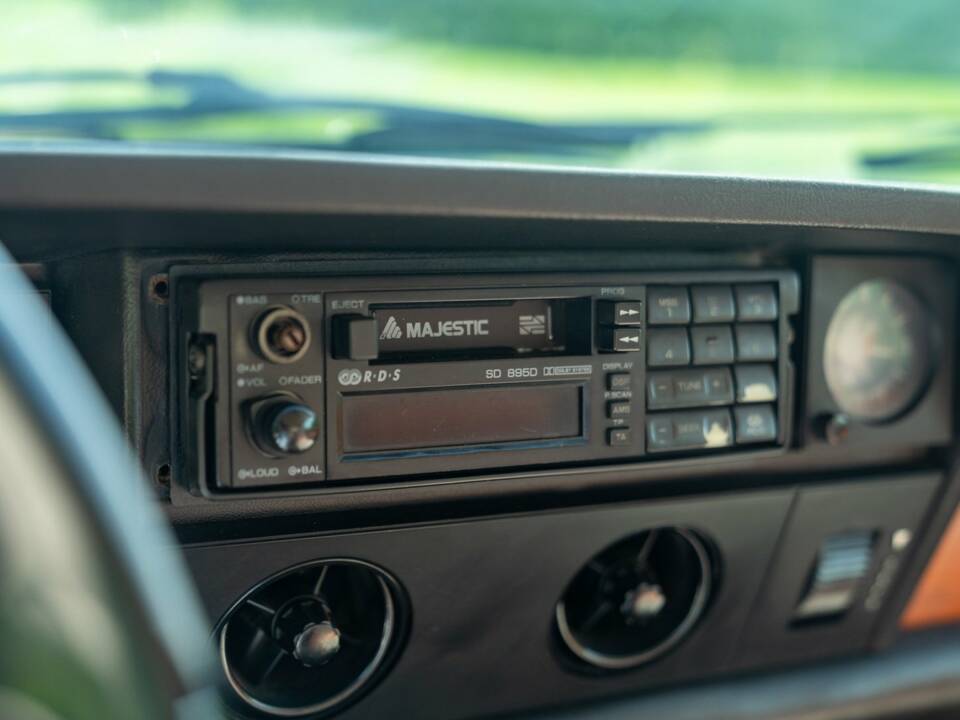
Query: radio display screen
x,y
425,419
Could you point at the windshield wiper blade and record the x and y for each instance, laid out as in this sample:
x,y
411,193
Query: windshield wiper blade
x,y
401,128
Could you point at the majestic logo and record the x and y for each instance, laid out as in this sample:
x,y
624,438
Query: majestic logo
x,y
441,328
391,331
448,328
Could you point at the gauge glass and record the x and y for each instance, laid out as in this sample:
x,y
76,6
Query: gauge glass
x,y
878,354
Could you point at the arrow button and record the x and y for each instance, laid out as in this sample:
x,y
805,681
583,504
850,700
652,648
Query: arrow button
x,y
621,313
622,340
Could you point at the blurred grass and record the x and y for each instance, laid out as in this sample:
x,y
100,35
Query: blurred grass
x,y
778,119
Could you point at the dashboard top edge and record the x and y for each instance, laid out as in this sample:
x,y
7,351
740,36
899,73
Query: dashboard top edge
x,y
339,184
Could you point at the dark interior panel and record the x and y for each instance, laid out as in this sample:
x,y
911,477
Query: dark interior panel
x,y
483,593
855,573
483,596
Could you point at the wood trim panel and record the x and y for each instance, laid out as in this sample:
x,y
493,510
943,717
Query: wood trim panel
x,y
936,599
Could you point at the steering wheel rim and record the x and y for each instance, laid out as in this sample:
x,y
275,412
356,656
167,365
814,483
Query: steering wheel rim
x,y
98,614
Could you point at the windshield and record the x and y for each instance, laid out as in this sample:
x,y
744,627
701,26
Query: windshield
x,y
824,89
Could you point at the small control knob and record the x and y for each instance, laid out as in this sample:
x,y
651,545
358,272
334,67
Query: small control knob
x,y
281,335
834,428
285,427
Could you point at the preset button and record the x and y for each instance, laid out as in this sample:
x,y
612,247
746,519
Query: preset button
x,y
668,347
756,302
755,383
755,423
712,345
668,305
756,343
713,303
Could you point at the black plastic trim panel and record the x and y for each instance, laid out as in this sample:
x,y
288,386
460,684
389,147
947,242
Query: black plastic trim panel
x,y
897,685
291,182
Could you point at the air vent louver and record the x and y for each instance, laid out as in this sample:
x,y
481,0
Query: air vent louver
x,y
309,640
636,599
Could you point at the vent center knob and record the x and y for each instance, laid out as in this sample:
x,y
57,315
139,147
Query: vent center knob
x,y
644,602
317,644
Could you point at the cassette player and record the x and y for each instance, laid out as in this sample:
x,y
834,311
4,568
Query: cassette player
x,y
452,329
320,381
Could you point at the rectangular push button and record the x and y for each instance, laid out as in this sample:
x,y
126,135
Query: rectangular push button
x,y
621,313
668,347
756,302
618,409
713,304
689,388
621,339
689,430
755,383
660,390
668,305
355,337
619,437
618,381
719,384
755,423
660,433
712,345
756,343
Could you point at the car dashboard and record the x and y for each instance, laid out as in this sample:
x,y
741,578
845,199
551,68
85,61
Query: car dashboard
x,y
456,440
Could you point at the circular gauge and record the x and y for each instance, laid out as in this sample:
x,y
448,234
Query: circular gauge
x,y
878,355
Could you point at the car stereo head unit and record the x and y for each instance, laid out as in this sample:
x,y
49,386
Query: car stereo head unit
x,y
294,381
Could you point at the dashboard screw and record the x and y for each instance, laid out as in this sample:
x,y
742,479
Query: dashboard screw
x,y
159,288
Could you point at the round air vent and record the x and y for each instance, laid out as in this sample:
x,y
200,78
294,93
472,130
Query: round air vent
x,y
635,600
310,639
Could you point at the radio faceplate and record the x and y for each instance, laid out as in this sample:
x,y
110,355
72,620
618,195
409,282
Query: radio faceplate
x,y
315,381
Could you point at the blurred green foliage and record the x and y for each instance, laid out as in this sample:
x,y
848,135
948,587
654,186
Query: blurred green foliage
x,y
834,89
892,35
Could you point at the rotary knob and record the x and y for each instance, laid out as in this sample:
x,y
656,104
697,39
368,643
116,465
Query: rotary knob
x,y
284,426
